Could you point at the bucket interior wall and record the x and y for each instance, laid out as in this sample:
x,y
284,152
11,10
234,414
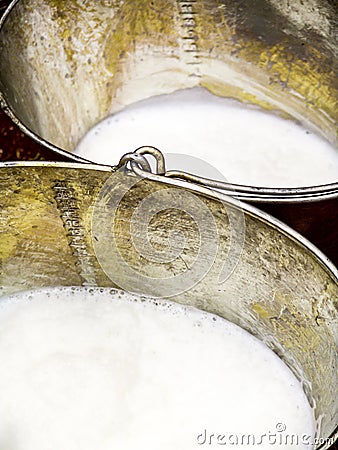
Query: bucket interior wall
x,y
65,65
278,289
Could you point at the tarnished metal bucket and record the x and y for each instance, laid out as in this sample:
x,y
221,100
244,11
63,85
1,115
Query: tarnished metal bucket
x,y
72,224
66,65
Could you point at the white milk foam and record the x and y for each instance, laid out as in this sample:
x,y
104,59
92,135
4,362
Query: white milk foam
x,y
248,146
95,369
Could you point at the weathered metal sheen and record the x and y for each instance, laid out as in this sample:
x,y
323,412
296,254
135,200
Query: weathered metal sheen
x,y
282,289
65,65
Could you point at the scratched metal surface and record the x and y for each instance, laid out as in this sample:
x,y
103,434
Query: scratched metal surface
x,y
280,291
14,144
66,65
61,249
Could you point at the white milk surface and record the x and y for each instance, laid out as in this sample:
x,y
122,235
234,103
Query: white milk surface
x,y
246,145
105,371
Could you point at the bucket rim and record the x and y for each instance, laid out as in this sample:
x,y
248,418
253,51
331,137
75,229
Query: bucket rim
x,y
242,192
229,200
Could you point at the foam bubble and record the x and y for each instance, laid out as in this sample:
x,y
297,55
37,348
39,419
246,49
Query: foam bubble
x,y
99,368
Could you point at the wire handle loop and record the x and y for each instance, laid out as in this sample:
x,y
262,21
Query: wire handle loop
x,y
139,163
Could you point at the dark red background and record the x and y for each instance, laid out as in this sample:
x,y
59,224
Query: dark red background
x,y
15,146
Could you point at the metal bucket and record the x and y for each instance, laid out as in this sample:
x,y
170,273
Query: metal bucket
x,y
72,224
66,65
